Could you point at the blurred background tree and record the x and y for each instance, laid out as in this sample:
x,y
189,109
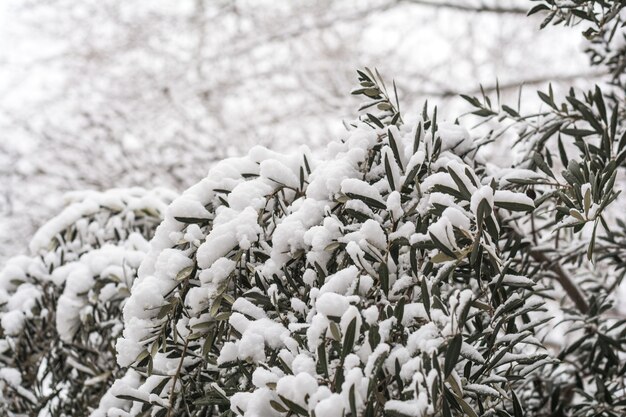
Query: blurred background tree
x,y
105,93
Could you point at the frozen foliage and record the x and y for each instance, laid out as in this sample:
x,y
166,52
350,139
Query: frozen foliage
x,y
289,284
60,307
398,274
577,146
603,24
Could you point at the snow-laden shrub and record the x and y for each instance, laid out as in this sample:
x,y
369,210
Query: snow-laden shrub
x,y
382,278
400,274
60,308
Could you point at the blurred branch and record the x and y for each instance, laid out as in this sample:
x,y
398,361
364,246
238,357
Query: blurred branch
x,y
451,92
483,8
386,6
301,31
568,284
361,14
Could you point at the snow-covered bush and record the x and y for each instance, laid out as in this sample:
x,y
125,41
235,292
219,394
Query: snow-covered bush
x,y
386,277
400,274
60,307
413,269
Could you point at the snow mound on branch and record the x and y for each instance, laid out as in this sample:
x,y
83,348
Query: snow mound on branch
x,y
96,216
304,272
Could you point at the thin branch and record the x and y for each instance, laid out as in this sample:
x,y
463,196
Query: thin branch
x,y
298,31
530,81
176,375
483,8
569,285
301,30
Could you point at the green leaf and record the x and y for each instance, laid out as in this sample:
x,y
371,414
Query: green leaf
x,y
587,201
443,248
581,133
394,413
371,202
442,257
293,407
322,361
165,310
334,330
372,92
446,407
467,409
484,210
191,220
389,174
383,276
185,273
547,99
514,206
586,113
517,407
375,120
541,164
398,311
394,148
538,8
452,353
348,341
471,100
425,296
352,401
131,398
599,100
418,136
562,153
460,184
484,112
510,111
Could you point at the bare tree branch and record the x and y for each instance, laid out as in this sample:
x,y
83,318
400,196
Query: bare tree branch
x,y
568,284
561,275
483,8
454,92
361,14
301,30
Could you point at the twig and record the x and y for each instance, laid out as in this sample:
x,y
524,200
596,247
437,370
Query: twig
x,y
180,365
571,288
470,8
529,81
298,31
